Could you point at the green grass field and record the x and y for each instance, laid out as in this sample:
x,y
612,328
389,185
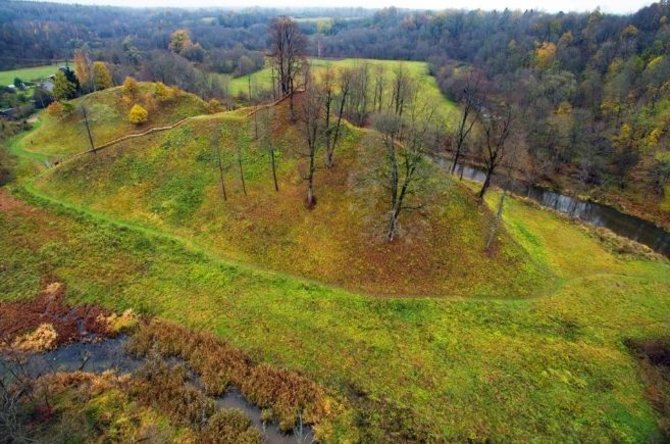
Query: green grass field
x,y
28,74
446,110
121,230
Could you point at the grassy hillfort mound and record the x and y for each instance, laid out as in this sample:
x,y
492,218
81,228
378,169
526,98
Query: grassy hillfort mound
x,y
64,133
268,244
171,180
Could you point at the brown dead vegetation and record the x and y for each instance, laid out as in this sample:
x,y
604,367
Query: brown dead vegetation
x,y
166,389
289,396
46,322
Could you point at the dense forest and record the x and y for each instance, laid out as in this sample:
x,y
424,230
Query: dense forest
x,y
592,88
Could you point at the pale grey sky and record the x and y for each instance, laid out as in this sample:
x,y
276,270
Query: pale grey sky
x,y
614,6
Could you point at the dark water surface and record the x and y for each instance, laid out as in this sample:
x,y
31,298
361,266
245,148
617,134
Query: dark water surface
x,y
592,213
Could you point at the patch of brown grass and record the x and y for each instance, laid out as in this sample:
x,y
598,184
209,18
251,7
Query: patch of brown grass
x,y
45,321
229,427
288,395
43,338
164,387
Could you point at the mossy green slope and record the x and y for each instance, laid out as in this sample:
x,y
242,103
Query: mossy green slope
x,y
108,117
170,181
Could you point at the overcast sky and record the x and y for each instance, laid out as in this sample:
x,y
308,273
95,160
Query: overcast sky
x,y
614,6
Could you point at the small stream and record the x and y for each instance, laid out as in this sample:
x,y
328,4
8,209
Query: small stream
x,y
592,213
110,354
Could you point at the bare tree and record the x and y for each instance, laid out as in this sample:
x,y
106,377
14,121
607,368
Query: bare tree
x,y
404,90
497,128
379,86
469,103
241,169
84,113
357,105
288,49
406,139
514,160
327,86
266,140
217,147
311,118
344,80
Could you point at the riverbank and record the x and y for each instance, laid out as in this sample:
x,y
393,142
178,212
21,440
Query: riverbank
x,y
641,204
593,213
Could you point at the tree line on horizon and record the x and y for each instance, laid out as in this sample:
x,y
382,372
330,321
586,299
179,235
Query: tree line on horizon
x,y
593,87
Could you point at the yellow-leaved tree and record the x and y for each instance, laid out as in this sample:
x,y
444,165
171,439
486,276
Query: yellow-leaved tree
x,y
163,92
130,86
138,115
101,77
180,40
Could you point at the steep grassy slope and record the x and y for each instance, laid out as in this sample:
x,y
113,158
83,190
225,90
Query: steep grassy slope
x,y
171,181
548,369
108,116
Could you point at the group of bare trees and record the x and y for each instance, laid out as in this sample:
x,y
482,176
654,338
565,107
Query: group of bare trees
x,y
406,124
367,93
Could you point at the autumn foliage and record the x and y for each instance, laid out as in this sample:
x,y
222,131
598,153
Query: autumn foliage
x,y
283,394
138,115
130,86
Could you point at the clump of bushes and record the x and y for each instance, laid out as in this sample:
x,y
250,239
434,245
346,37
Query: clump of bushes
x,y
229,426
165,388
43,338
162,92
138,115
130,87
59,110
285,395
214,106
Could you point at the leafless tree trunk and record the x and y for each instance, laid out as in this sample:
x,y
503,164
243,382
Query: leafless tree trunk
x,y
496,223
403,89
468,117
217,147
379,87
358,104
497,129
312,103
327,86
288,51
239,164
266,140
345,86
84,113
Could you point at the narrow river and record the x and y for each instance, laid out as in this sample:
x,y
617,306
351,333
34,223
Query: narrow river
x,y
592,213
